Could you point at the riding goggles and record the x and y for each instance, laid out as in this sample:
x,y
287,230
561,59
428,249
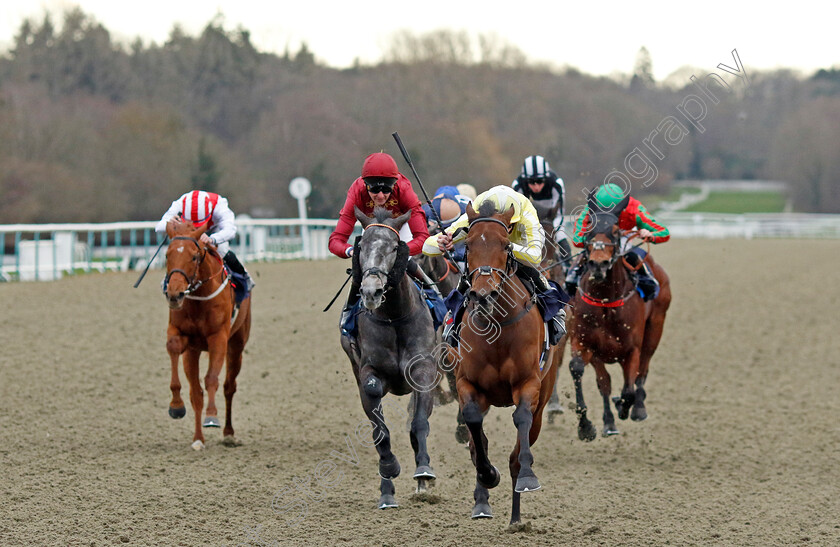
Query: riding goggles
x,y
379,187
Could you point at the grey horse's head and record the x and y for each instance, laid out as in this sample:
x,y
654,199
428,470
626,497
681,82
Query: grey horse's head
x,y
378,251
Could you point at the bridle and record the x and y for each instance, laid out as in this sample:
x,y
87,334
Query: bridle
x,y
510,266
598,246
192,283
377,271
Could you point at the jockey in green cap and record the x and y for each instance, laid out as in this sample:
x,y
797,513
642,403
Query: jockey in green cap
x,y
631,215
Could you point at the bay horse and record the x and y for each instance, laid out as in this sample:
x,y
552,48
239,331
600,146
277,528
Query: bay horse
x,y
395,344
502,337
201,306
611,323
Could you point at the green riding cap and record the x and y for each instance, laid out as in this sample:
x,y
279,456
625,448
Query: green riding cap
x,y
608,195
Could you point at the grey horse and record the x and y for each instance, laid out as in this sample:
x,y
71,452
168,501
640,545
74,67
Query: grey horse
x,y
393,353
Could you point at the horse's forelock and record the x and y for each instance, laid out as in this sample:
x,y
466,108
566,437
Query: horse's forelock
x,y
381,214
487,209
603,223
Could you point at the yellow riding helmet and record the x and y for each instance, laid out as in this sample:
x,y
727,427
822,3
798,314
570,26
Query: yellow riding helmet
x,y
502,197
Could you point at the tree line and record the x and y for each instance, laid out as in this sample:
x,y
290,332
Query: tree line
x,y
94,131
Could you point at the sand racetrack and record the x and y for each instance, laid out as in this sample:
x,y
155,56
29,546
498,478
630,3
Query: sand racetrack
x,y
741,447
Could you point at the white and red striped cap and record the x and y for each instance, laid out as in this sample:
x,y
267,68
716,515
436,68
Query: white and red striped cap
x,y
197,206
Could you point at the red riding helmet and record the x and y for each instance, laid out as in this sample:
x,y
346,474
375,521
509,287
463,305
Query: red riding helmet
x,y
380,164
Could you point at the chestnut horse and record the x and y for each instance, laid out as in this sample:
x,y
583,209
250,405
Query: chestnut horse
x,y
201,304
502,337
611,323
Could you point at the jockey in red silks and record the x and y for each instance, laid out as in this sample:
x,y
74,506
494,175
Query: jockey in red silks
x,y
631,215
200,208
380,185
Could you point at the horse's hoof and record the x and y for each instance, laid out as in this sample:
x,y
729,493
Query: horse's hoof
x,y
424,472
587,432
231,441
610,430
482,511
387,501
198,446
212,421
389,470
527,484
623,407
491,481
177,413
554,408
638,414
462,434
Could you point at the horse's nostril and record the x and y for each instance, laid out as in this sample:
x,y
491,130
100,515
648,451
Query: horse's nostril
x,y
378,293
494,294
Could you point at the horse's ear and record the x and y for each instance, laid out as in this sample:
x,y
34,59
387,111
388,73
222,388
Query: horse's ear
x,y
590,201
402,219
471,214
508,214
173,225
361,217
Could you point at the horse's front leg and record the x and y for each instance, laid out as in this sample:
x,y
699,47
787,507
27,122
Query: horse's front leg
x,y
523,417
419,434
371,392
471,408
630,367
217,348
191,356
175,345
605,387
586,431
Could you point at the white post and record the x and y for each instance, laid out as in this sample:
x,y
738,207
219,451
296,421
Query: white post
x,y
300,187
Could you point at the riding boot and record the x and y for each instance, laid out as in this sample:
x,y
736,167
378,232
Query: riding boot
x,y
534,276
232,262
348,310
557,328
573,277
644,279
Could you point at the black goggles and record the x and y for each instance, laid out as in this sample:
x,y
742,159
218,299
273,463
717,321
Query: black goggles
x,y
379,187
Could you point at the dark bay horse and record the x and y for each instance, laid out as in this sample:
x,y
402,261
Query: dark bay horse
x,y
395,344
502,338
552,267
201,305
611,323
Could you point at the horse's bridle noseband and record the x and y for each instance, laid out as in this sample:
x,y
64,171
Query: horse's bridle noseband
x,y
192,284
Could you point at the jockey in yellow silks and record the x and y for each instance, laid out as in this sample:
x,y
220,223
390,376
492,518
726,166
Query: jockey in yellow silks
x,y
527,239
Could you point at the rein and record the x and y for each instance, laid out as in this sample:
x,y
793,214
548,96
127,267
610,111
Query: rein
x,y
450,268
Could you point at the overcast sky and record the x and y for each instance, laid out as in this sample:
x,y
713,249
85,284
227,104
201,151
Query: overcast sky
x,y
597,38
